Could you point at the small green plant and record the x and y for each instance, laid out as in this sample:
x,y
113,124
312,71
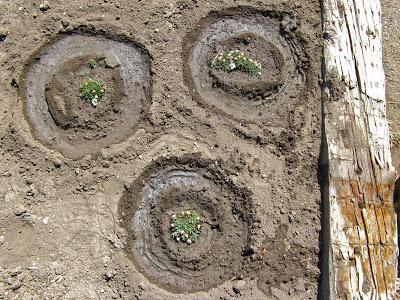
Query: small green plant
x,y
236,60
91,90
92,64
185,227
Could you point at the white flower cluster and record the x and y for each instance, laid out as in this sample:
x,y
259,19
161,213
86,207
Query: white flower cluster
x,y
236,59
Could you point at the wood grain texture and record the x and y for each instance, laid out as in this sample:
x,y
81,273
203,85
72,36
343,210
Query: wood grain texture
x,y
362,220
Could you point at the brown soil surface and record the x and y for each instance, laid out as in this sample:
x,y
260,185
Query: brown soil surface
x,y
391,60
86,192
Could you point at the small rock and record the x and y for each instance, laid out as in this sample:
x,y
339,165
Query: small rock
x,y
3,35
19,210
248,251
21,277
142,285
28,219
46,220
44,6
14,83
231,292
58,271
16,285
17,270
238,286
64,23
1,239
29,181
116,108
108,276
111,61
289,24
57,162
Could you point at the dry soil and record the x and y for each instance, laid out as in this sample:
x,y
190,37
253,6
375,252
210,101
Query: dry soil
x,y
86,191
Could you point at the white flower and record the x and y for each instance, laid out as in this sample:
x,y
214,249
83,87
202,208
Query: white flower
x,y
232,66
94,102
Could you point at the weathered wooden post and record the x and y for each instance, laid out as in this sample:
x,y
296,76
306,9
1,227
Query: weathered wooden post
x,y
361,257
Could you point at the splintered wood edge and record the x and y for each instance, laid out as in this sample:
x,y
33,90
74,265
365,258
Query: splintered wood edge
x,y
362,226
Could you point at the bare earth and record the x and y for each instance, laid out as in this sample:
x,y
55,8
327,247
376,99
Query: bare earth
x,y
86,192
391,60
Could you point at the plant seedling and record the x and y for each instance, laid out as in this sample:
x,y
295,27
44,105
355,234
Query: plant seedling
x,y
236,60
92,91
185,227
92,64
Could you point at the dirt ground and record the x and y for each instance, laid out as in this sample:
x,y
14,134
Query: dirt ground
x,y
391,60
86,192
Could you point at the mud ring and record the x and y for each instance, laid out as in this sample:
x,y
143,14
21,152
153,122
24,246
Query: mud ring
x,y
60,119
185,184
263,36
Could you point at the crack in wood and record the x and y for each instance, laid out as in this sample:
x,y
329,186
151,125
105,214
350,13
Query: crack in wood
x,y
362,219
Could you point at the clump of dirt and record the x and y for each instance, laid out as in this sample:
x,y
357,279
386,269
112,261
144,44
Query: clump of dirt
x,y
242,96
61,119
187,184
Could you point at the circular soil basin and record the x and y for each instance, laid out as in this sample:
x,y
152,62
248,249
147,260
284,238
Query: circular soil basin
x,y
62,120
168,188
265,97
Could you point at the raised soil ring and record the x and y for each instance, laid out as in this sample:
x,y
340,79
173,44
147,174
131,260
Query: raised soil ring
x,y
170,187
266,37
63,121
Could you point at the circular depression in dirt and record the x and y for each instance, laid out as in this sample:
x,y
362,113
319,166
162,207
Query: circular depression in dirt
x,y
169,188
61,119
261,36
